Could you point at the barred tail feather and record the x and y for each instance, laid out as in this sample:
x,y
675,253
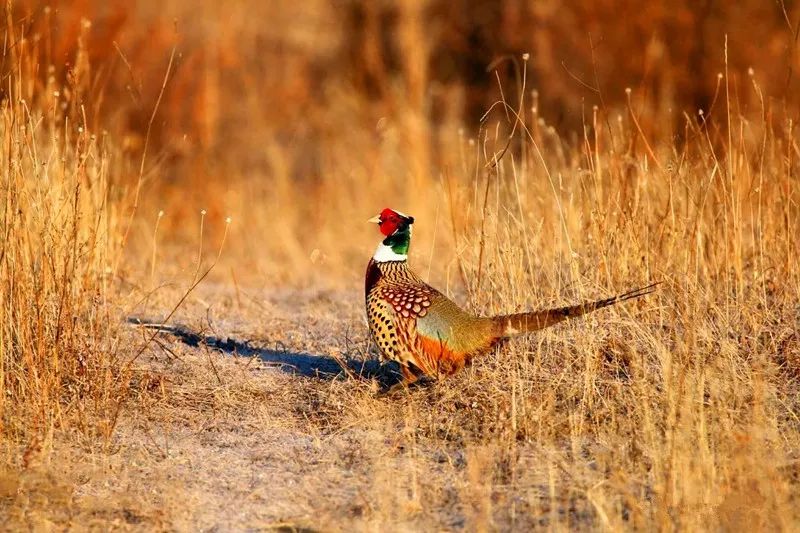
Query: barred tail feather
x,y
521,323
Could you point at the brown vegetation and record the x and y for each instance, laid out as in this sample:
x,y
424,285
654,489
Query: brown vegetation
x,y
121,121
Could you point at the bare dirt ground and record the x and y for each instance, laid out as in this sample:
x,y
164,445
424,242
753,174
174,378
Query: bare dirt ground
x,y
243,419
248,423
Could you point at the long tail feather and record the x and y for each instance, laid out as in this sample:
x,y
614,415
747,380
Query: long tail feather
x,y
521,323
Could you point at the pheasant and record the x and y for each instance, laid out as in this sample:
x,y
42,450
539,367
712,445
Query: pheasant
x,y
429,336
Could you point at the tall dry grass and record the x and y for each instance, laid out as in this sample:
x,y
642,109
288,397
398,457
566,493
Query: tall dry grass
x,y
678,412
62,213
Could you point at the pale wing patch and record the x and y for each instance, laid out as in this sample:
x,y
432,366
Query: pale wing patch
x,y
407,302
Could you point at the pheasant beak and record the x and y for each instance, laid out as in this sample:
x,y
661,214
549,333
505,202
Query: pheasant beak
x,y
375,220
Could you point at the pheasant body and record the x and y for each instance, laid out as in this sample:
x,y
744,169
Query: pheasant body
x,y
425,332
417,326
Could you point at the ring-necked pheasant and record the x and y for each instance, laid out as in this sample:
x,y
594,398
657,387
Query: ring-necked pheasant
x,y
426,333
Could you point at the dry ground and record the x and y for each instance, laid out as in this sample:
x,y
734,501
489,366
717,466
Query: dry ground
x,y
257,427
243,420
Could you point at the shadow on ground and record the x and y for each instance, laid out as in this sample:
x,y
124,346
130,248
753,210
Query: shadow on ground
x,y
303,364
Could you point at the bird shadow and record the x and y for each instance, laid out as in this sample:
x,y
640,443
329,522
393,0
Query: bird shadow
x,y
307,365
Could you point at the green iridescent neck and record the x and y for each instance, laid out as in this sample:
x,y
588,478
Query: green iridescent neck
x,y
399,241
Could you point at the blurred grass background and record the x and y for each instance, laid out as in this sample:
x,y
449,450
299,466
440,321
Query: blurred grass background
x,y
638,142
265,99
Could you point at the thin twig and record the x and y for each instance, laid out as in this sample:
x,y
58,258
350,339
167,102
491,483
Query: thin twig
x,y
183,298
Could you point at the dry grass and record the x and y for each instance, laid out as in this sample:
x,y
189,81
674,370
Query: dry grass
x,y
61,222
680,411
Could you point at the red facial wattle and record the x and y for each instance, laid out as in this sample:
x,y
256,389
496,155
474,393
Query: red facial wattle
x,y
391,221
389,224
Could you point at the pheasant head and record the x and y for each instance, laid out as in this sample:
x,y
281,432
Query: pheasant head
x,y
396,230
